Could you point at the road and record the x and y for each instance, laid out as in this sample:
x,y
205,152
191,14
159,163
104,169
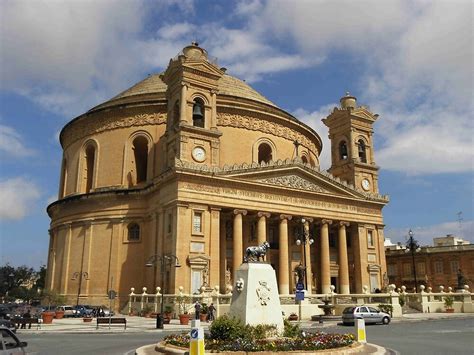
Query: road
x,y
454,336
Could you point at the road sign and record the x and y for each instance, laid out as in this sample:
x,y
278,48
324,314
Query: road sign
x,y
300,286
194,333
299,295
112,294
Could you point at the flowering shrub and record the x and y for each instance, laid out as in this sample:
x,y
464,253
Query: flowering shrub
x,y
230,334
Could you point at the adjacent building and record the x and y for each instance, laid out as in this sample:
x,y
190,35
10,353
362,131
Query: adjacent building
x,y
434,266
195,163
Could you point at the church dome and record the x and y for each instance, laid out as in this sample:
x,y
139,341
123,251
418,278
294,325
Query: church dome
x,y
153,88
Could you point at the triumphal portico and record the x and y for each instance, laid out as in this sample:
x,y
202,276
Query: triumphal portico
x,y
195,163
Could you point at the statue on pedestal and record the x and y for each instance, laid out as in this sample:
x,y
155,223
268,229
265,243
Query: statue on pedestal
x,y
461,280
300,270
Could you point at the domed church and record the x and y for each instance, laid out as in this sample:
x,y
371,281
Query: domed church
x,y
193,166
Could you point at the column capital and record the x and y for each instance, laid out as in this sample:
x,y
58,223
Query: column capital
x,y
326,221
344,224
264,214
308,219
242,212
286,216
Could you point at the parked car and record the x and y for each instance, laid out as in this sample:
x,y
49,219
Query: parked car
x,y
83,310
371,315
69,311
10,344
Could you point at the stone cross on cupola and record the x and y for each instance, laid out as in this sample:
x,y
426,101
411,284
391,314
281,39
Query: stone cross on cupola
x,y
192,80
352,149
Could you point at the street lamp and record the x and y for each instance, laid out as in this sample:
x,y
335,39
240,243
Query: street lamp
x,y
163,261
79,275
303,239
413,246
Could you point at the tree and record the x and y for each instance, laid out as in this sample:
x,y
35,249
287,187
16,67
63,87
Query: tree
x,y
18,283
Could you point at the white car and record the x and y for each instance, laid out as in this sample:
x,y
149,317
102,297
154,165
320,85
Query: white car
x,y
10,344
370,315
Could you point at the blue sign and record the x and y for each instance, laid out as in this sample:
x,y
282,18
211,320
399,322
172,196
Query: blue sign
x,y
194,333
299,295
300,286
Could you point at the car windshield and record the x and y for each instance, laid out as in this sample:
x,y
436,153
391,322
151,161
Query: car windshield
x,y
348,310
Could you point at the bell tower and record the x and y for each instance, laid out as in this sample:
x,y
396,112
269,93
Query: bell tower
x,y
191,132
352,148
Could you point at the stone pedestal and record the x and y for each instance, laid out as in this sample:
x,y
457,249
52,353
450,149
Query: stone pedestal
x,y
255,298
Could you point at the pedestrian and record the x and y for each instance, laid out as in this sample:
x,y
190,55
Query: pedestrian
x,y
197,308
26,318
211,310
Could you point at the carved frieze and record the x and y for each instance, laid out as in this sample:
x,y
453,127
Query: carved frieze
x,y
87,126
263,125
293,181
263,293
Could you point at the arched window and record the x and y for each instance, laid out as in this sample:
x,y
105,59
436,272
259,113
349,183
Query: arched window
x,y
362,151
133,232
198,113
343,150
264,153
89,173
140,150
176,114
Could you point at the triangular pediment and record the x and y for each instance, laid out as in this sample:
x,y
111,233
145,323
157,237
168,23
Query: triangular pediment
x,y
203,66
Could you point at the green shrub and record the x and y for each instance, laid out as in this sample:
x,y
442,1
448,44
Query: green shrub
x,y
261,331
387,308
291,330
448,301
226,328
401,301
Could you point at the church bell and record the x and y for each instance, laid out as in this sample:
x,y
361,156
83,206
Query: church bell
x,y
197,111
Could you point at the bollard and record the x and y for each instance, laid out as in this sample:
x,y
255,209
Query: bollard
x,y
196,345
360,330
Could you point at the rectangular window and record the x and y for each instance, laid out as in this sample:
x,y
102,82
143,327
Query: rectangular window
x,y
438,267
392,269
370,238
420,269
197,222
454,266
407,270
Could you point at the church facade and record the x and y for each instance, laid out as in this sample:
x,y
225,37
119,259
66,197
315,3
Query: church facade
x,y
196,164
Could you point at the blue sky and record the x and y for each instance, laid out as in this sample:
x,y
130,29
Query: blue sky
x,y
410,61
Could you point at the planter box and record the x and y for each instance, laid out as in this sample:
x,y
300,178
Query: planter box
x,y
59,315
87,319
47,317
184,319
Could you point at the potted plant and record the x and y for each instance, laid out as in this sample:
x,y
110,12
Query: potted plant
x,y
50,297
167,314
146,311
448,304
203,313
87,318
133,312
293,316
59,313
183,302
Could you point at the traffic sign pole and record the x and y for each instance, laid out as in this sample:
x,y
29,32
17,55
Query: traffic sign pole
x,y
196,345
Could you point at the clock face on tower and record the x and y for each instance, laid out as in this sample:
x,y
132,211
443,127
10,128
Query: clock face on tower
x,y
199,154
366,184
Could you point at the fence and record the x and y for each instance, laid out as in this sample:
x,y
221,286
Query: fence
x,y
425,301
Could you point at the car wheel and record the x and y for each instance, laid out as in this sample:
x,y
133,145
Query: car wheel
x,y
385,320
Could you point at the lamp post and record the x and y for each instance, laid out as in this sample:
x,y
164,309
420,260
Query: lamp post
x,y
413,247
163,261
80,275
303,239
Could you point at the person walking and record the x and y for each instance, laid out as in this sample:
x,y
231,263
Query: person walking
x,y
211,310
197,308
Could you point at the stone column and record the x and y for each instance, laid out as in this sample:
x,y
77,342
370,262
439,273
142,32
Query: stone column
x,y
183,104
262,227
307,251
343,261
325,260
237,241
214,248
284,267
222,255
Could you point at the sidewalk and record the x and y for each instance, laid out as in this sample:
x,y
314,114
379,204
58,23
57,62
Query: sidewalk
x,y
140,324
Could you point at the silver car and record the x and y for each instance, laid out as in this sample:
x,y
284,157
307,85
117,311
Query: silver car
x,y
10,344
370,315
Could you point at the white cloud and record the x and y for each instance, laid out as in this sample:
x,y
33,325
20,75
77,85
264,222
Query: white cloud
x,y
11,143
18,197
425,234
51,199
248,7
